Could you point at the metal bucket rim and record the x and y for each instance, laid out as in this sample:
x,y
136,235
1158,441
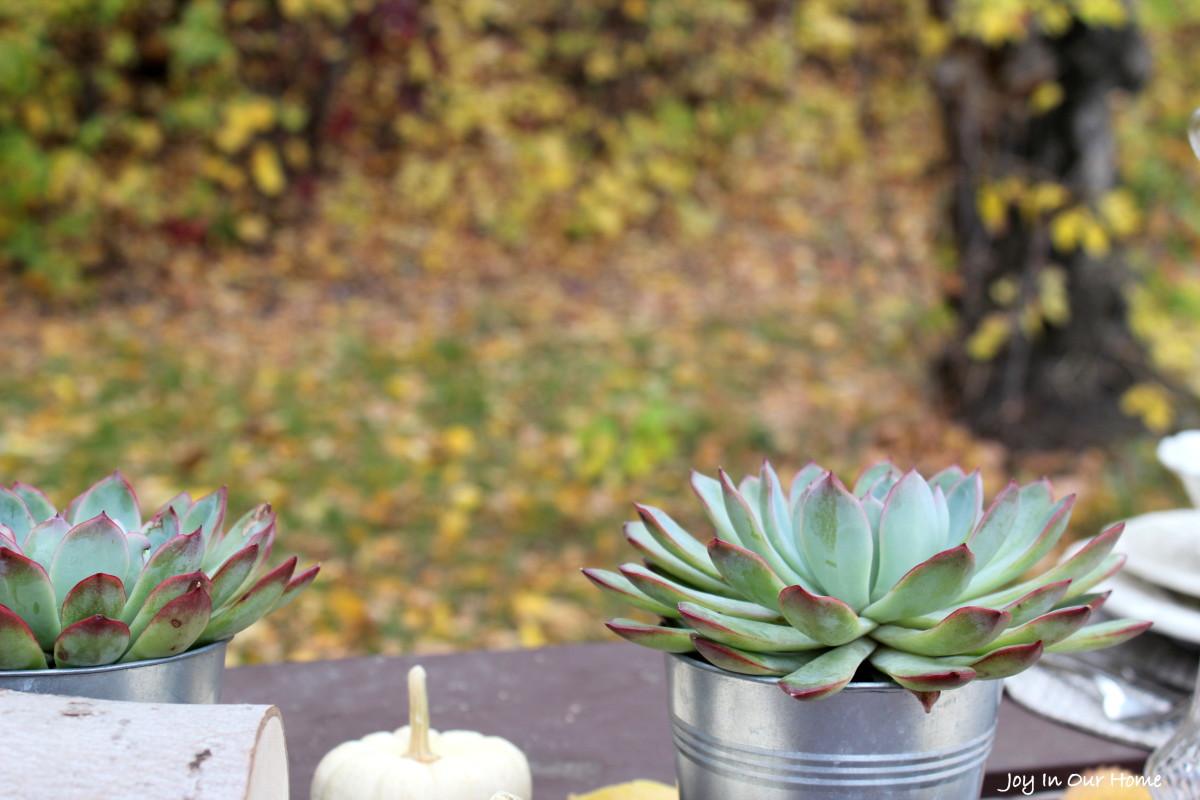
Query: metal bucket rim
x,y
699,663
66,671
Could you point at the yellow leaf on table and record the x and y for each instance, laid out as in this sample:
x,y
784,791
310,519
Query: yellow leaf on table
x,y
1108,783
634,790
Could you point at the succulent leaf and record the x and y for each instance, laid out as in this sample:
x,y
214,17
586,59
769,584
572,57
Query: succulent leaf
x,y
669,592
1056,525
964,499
712,499
639,536
175,627
921,673
1004,662
964,630
1103,634
676,541
1081,564
745,634
207,514
619,586
809,474
656,637
829,672
826,619
926,587
750,533
19,648
256,525
8,539
746,662
947,477
45,538
111,496
871,477
180,555
1037,602
162,595
91,642
837,542
908,532
15,515
996,525
25,590
747,573
94,545
261,598
776,516
98,595
1049,629
233,574
180,503
39,506
299,582
1108,567
162,528
1012,561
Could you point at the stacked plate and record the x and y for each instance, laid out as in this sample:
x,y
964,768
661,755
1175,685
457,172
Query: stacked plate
x,y
1161,578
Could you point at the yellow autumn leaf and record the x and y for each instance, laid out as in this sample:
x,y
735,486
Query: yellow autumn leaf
x,y
1047,196
1045,96
1066,229
1120,211
1151,404
992,208
989,337
267,170
1098,13
633,790
1004,291
1053,296
1095,239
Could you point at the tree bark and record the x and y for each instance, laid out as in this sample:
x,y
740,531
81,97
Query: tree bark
x,y
1059,384
75,748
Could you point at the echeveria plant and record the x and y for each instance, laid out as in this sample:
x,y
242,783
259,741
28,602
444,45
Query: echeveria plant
x,y
905,573
95,584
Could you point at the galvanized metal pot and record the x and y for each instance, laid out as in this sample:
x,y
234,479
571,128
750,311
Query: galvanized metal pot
x,y
738,736
191,677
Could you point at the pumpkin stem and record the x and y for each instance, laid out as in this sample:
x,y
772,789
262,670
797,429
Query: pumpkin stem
x,y
418,718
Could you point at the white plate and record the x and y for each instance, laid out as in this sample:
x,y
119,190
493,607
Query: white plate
x,y
1173,615
1164,549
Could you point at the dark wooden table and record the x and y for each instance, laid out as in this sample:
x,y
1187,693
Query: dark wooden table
x,y
585,715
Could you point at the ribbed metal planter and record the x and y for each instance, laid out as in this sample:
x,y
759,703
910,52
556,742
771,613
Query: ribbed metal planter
x,y
191,677
738,736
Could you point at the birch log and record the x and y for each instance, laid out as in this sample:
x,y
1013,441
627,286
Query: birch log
x,y
72,748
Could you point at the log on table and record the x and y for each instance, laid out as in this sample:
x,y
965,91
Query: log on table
x,y
71,748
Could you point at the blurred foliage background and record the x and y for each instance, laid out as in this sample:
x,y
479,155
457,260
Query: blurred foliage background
x,y
451,283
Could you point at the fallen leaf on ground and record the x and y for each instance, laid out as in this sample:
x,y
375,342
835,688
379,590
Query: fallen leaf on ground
x,y
634,790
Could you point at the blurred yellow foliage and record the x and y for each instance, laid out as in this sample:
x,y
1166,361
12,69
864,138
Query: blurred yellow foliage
x,y
1151,403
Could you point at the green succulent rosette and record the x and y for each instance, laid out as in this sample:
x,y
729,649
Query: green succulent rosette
x,y
95,584
907,574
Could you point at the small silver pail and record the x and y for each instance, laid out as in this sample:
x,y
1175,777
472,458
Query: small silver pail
x,y
738,736
191,677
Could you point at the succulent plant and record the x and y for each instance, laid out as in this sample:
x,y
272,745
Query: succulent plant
x,y
905,574
94,584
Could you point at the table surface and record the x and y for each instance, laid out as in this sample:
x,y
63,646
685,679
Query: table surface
x,y
585,715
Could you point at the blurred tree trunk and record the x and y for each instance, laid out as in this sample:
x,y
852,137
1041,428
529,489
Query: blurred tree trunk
x,y
1044,352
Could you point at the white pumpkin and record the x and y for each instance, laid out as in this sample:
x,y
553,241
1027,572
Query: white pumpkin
x,y
416,763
